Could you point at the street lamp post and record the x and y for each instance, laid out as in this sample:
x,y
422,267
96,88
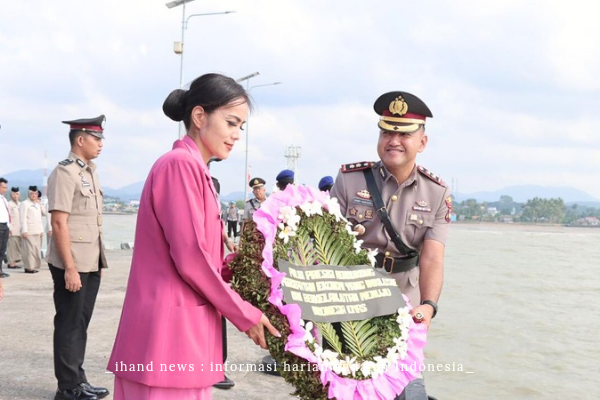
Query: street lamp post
x,y
248,89
247,79
178,46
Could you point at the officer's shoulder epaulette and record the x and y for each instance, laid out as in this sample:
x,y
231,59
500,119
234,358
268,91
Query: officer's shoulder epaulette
x,y
66,162
357,166
431,175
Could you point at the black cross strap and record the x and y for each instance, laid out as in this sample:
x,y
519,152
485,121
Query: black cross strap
x,y
385,218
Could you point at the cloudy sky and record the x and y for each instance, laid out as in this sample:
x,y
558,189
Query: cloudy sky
x,y
514,86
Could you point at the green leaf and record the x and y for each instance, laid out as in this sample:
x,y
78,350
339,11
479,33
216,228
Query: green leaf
x,y
329,333
359,336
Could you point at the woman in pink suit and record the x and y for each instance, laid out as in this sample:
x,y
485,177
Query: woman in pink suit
x,y
168,344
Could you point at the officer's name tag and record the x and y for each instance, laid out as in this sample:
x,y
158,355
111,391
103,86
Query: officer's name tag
x,y
363,202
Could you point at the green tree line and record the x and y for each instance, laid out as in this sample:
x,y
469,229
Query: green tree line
x,y
536,210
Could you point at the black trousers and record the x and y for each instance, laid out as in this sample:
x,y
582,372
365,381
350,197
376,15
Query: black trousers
x,y
232,228
4,234
73,314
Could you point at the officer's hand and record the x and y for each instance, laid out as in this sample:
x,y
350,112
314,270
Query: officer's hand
x,y
72,280
257,333
24,236
425,312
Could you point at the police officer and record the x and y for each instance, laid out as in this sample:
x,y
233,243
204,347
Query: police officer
x,y
76,255
326,183
260,195
414,206
14,241
284,178
32,216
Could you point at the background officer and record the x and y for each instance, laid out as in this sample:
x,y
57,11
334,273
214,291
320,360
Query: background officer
x,y
76,255
14,241
326,183
416,202
32,216
284,178
260,194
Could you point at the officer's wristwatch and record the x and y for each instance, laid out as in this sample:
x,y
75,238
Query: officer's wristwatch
x,y
433,305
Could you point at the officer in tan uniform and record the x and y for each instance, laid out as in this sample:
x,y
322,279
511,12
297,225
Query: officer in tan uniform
x,y
14,241
399,208
31,214
260,195
76,255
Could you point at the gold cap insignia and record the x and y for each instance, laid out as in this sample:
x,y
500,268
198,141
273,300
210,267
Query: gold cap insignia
x,y
256,182
398,106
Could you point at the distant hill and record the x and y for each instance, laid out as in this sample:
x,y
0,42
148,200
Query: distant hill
x,y
233,196
522,193
519,193
126,193
25,178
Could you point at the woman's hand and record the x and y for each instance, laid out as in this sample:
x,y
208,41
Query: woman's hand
x,y
257,333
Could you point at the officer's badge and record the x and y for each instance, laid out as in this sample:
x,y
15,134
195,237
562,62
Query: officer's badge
x,y
80,163
353,211
398,106
369,214
413,217
422,203
358,166
66,162
364,194
431,175
419,208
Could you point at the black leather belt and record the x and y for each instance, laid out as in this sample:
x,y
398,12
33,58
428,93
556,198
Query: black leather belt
x,y
393,265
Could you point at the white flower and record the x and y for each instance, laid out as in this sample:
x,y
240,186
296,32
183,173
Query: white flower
x,y
331,205
288,215
357,245
354,366
318,351
329,355
380,366
285,233
345,366
367,368
308,337
350,230
371,256
312,208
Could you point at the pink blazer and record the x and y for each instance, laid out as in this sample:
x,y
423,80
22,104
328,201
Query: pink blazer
x,y
170,329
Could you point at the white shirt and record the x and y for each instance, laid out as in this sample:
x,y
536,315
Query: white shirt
x,y
4,216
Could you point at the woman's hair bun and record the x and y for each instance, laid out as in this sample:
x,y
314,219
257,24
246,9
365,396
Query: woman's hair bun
x,y
174,105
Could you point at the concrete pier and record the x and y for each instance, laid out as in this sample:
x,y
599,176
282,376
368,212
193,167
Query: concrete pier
x,y
26,328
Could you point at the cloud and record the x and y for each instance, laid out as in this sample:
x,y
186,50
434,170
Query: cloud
x,y
512,85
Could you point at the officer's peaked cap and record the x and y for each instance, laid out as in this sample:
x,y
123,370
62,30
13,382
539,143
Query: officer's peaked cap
x,y
401,112
93,126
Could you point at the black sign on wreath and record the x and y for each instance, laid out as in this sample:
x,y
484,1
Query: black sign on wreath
x,y
327,293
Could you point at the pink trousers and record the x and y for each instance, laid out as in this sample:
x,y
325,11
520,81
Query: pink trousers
x,y
129,390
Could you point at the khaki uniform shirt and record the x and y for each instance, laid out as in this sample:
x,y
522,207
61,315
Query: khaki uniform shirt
x,y
74,188
31,217
15,222
250,207
419,209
